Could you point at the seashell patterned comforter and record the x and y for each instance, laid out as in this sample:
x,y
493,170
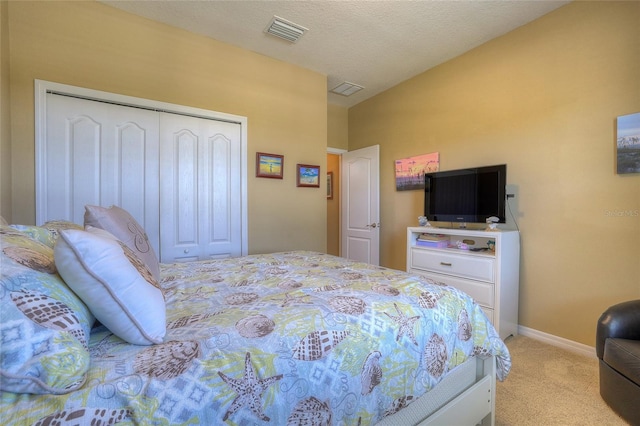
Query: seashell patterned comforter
x,y
284,339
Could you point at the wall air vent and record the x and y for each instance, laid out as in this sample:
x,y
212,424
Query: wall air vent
x,y
346,89
285,29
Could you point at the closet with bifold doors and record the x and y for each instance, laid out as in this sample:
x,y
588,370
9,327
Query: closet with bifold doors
x,y
180,174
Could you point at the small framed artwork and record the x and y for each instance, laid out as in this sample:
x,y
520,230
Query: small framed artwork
x,y
308,176
269,165
628,144
329,185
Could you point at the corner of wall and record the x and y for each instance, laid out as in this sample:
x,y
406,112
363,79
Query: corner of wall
x,y
5,115
337,127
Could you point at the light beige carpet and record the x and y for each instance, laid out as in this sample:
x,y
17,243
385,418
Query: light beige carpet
x,y
550,386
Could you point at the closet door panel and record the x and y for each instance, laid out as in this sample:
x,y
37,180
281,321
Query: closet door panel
x,y
132,180
132,175
101,154
200,180
219,157
73,166
184,207
84,140
222,226
179,188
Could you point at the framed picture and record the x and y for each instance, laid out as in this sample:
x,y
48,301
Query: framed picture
x,y
628,144
308,176
269,165
329,185
410,171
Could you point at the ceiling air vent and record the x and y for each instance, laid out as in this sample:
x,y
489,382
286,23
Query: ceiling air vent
x,y
285,29
346,89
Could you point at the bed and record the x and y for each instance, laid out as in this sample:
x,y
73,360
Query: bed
x,y
283,338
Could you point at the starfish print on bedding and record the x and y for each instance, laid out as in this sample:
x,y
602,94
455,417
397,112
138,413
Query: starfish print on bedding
x,y
249,390
290,300
405,325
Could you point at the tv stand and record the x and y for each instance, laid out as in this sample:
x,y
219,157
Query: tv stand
x,y
484,264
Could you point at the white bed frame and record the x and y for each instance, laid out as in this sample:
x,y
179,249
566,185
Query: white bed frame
x,y
465,397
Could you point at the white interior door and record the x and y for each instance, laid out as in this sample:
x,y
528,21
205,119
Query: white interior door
x,y
101,154
200,189
360,178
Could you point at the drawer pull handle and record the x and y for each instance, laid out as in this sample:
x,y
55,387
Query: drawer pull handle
x,y
446,264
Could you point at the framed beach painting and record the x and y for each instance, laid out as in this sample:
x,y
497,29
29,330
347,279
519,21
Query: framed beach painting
x,y
628,144
269,165
308,176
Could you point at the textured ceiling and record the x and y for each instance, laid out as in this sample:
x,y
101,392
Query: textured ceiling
x,y
375,44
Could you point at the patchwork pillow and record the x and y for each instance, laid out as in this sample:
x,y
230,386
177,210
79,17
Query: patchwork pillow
x,y
118,288
124,227
44,326
47,233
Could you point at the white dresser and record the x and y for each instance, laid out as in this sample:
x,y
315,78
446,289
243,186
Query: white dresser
x,y
483,264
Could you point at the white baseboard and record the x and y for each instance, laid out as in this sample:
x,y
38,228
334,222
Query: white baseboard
x,y
560,342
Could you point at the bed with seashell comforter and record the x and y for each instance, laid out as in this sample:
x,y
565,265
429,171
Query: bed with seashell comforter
x,y
284,338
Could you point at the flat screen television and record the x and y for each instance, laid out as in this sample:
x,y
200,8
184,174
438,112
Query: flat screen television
x,y
466,195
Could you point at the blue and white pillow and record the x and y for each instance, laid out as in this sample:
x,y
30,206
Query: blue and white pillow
x,y
44,326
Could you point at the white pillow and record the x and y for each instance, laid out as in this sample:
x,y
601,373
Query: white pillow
x,y
112,284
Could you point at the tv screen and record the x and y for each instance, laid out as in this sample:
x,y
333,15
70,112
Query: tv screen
x,y
466,195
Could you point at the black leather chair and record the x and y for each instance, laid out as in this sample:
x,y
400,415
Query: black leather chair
x,y
618,350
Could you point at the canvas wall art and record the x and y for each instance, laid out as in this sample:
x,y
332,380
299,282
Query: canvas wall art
x,y
628,144
410,171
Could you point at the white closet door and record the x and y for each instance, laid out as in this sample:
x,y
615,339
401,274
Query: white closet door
x,y
101,154
200,189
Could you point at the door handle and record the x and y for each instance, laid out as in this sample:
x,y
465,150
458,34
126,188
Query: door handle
x,y
374,225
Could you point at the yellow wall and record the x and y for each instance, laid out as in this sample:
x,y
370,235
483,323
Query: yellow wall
x,y
337,127
91,45
5,116
544,100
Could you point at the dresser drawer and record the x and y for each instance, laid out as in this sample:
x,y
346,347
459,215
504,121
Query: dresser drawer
x,y
474,267
489,314
481,292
